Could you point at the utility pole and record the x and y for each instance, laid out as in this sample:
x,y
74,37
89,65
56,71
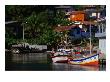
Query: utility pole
x,y
90,37
23,32
23,29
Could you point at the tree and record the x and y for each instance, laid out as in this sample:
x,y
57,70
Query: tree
x,y
61,19
39,29
38,22
34,19
78,7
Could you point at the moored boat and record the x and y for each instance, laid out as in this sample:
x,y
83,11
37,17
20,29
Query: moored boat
x,y
91,60
59,57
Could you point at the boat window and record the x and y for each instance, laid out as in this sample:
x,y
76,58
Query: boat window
x,y
94,57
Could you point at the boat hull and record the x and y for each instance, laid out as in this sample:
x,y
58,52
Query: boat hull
x,y
92,60
60,59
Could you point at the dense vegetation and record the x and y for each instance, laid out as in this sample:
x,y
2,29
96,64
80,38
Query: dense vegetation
x,y
38,22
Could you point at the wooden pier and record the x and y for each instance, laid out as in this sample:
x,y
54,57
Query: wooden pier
x,y
102,61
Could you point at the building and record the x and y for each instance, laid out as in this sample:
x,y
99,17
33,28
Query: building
x,y
77,16
13,29
101,33
64,8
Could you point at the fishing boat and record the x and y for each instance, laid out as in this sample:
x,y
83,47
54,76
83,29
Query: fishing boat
x,y
91,60
61,55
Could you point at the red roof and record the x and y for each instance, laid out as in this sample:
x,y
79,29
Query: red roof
x,y
63,28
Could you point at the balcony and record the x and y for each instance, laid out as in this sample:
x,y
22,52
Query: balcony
x,y
103,34
101,30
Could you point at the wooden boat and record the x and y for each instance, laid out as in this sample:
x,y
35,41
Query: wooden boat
x,y
59,57
91,60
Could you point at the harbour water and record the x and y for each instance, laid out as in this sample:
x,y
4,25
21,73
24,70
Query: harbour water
x,y
41,62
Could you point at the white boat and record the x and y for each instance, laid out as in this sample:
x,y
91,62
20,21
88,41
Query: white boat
x,y
59,57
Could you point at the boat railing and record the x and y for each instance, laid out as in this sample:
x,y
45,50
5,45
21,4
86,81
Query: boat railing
x,y
82,59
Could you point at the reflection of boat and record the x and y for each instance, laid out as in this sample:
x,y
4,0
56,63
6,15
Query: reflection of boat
x,y
87,68
91,60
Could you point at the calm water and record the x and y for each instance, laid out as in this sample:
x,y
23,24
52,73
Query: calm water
x,y
40,62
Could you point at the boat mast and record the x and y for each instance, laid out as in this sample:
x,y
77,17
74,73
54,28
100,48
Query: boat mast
x,y
90,37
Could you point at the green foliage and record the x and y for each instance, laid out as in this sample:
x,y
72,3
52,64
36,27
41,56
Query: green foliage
x,y
38,28
78,7
38,23
60,19
15,12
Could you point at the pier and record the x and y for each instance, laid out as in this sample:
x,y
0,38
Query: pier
x,y
102,61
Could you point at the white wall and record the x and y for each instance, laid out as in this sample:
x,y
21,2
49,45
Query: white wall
x,y
102,47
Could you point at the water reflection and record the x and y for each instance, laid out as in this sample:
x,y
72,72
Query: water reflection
x,y
29,58
66,67
39,61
